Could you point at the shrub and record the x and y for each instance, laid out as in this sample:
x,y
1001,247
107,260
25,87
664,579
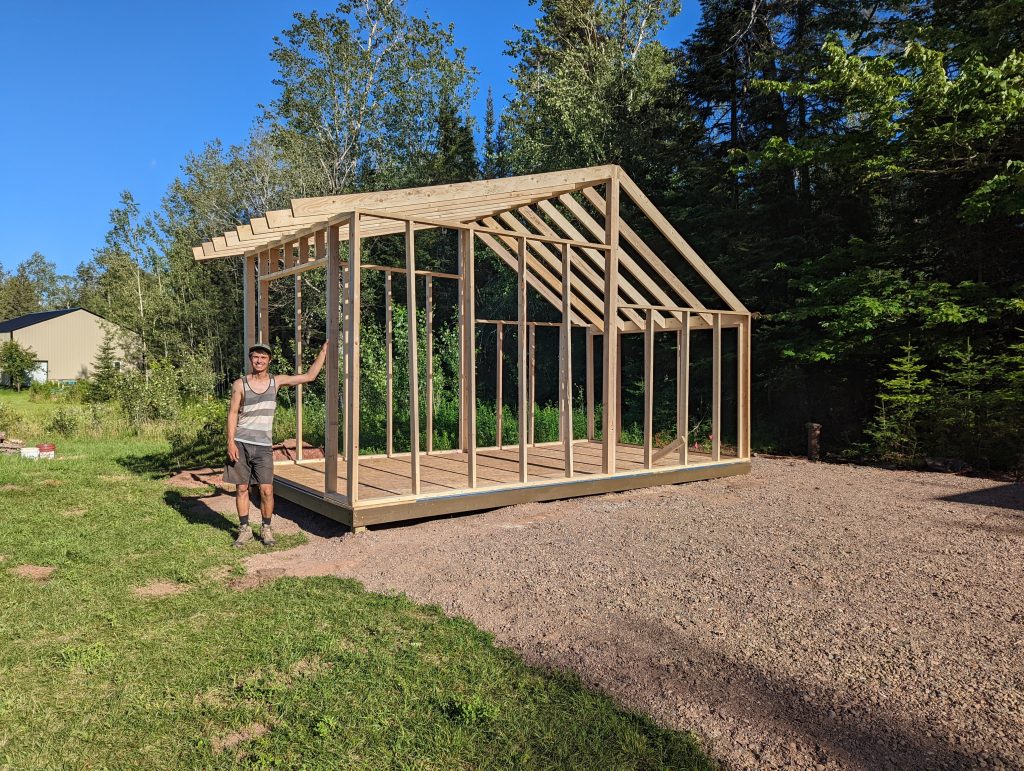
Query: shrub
x,y
65,421
196,379
163,401
11,422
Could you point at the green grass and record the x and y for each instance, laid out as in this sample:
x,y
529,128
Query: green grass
x,y
333,676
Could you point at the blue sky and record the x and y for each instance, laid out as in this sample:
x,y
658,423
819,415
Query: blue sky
x,y
101,97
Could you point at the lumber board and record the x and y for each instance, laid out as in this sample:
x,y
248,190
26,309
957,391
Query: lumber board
x,y
353,360
626,263
333,363
414,391
666,228
609,415
304,207
538,277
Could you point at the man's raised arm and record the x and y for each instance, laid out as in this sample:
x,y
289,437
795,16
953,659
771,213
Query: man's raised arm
x,y
309,375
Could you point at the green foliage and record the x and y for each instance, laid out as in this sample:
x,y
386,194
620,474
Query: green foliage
x,y
105,369
65,421
16,362
196,378
589,77
902,400
11,420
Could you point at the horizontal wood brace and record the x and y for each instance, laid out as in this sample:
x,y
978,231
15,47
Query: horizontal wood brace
x,y
484,229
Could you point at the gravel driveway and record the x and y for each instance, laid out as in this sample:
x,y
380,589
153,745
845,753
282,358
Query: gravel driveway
x,y
807,615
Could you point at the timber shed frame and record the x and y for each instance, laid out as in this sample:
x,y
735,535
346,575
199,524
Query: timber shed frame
x,y
564,235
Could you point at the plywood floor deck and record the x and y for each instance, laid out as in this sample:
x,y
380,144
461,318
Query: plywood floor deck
x,y
444,479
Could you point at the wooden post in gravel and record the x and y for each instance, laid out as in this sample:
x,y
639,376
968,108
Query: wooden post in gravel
x,y
813,441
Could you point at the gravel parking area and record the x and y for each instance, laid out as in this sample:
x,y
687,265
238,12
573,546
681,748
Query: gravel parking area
x,y
806,615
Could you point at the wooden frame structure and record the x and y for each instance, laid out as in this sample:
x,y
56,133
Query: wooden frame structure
x,y
565,236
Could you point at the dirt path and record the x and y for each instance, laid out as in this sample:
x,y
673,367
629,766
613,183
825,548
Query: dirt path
x,y
803,616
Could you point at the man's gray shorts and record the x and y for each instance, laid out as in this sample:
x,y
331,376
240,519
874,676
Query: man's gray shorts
x,y
255,465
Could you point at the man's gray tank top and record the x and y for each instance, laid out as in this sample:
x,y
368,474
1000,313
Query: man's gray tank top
x,y
256,418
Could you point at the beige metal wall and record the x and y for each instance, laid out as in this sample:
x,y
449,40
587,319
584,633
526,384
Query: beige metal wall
x,y
68,343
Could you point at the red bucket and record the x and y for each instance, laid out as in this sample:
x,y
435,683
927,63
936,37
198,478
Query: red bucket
x,y
46,451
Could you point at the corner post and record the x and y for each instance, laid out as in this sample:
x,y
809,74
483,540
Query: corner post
x,y
716,387
303,255
649,390
521,329
414,390
609,416
333,341
683,390
466,243
352,356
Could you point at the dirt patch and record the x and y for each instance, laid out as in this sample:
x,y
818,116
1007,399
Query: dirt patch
x,y
75,512
233,739
196,478
805,615
50,482
286,451
10,488
159,589
255,578
40,573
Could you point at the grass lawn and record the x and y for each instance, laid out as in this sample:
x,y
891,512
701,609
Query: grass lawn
x,y
311,673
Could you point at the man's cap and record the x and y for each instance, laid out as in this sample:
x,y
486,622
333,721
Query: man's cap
x,y
260,347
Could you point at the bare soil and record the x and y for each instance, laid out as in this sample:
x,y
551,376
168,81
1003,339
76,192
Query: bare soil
x,y
806,615
38,573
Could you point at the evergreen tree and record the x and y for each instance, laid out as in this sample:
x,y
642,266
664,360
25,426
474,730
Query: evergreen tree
x,y
901,402
105,369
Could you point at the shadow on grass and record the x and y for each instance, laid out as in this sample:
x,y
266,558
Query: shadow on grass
x,y
198,511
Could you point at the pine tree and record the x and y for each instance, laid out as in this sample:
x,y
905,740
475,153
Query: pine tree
x,y
902,401
105,369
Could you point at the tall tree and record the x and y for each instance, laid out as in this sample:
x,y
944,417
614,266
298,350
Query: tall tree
x,y
590,78
357,89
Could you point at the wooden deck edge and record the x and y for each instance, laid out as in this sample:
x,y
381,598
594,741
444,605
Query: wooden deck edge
x,y
312,500
370,513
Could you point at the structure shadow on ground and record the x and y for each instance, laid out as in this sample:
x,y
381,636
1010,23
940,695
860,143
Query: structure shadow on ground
x,y
830,726
1001,509
218,510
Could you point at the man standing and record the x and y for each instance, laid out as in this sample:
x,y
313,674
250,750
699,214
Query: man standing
x,y
250,436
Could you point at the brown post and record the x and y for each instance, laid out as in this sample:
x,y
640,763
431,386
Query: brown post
x,y
521,329
813,442
303,251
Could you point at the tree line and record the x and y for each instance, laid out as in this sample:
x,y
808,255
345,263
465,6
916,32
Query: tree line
x,y
854,172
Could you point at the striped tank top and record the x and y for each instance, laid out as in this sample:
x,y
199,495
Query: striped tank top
x,y
256,418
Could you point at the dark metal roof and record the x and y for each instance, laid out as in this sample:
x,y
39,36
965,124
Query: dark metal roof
x,y
29,319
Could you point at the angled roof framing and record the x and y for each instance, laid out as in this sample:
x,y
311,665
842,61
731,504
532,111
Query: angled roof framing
x,y
549,209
